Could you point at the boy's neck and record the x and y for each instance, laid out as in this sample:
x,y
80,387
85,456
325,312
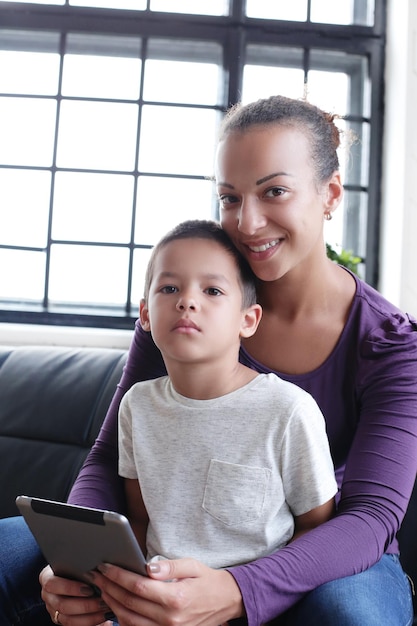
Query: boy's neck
x,y
205,381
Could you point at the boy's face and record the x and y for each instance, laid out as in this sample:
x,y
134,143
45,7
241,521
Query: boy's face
x,y
194,307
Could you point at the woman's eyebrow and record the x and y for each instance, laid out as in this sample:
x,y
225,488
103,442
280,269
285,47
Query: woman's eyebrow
x,y
224,184
258,182
265,178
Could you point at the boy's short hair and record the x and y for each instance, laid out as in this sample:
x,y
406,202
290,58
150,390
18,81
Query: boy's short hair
x,y
211,230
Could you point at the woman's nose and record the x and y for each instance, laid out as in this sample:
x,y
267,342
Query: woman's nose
x,y
251,217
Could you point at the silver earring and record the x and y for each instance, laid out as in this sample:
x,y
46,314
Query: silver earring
x,y
328,216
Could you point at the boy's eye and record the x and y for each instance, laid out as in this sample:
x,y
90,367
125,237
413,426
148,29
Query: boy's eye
x,y
168,289
213,291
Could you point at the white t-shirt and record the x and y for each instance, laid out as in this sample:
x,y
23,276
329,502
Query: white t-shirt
x,y
221,479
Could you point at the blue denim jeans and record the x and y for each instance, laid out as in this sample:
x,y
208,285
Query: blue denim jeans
x,y
20,564
380,596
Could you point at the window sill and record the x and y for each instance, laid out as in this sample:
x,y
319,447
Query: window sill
x,y
33,334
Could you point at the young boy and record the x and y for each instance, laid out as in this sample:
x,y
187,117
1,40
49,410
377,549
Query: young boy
x,y
220,463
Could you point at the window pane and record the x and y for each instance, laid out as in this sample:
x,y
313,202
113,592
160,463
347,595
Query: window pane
x,y
295,10
272,70
340,12
101,77
360,12
177,140
88,274
39,1
333,229
176,81
345,230
182,199
355,218
111,4
92,207
140,263
24,207
97,135
29,73
27,130
262,82
202,7
358,139
329,91
354,98
25,275
344,148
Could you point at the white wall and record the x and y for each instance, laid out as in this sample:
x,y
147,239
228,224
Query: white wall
x,y
398,281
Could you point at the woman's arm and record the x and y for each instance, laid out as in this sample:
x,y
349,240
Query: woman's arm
x,y
377,483
98,484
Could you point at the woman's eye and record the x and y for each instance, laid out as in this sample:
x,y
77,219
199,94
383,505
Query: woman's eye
x,y
227,199
274,192
168,289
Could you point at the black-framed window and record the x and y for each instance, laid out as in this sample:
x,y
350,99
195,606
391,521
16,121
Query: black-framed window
x,y
108,120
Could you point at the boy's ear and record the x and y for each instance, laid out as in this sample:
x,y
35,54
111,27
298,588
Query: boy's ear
x,y
250,320
144,316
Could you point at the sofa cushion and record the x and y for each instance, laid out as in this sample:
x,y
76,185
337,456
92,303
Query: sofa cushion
x,y
52,404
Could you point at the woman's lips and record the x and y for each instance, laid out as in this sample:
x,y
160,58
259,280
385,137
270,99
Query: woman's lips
x,y
264,246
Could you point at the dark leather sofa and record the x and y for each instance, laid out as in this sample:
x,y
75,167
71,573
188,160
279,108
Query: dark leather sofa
x,y
52,403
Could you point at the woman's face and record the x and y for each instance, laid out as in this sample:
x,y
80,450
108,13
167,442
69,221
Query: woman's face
x,y
271,204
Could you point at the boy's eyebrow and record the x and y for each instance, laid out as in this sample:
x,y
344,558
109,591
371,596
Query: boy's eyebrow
x,y
216,277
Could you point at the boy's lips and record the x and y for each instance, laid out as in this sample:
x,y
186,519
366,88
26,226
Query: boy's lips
x,y
185,323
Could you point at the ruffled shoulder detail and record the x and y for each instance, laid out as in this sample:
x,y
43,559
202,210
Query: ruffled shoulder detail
x,y
389,329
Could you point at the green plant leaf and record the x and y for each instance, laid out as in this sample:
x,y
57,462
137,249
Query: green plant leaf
x,y
344,257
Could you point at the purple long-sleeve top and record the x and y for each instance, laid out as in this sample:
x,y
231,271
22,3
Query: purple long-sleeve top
x,y
367,390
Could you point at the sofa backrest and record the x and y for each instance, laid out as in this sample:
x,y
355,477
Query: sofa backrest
x,y
52,403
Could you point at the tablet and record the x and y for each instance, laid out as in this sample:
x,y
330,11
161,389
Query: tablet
x,y
75,539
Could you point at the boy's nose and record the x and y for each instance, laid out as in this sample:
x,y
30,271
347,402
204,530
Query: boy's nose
x,y
185,303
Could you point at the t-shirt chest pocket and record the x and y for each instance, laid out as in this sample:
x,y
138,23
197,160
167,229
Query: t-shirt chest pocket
x,y
235,494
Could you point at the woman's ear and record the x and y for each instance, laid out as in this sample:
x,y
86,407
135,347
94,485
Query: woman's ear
x,y
250,320
332,193
144,316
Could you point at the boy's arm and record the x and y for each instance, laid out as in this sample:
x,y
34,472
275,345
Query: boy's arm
x,y
136,511
313,518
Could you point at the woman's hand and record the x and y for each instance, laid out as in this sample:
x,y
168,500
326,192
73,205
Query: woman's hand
x,y
76,603
182,591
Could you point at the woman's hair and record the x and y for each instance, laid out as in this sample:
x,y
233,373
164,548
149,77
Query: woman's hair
x,y
323,134
207,229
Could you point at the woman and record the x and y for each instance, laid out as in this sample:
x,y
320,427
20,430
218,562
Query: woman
x,y
278,180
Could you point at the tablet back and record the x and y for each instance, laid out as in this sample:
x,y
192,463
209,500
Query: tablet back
x,y
75,540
